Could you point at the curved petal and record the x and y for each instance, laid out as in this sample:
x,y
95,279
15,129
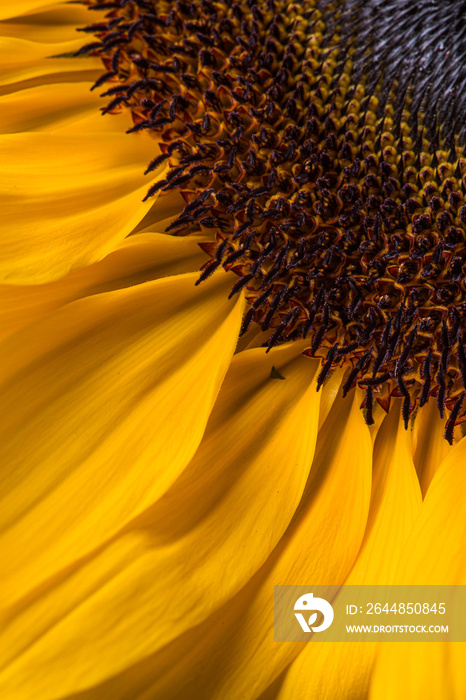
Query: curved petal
x,y
23,7
233,654
51,107
187,546
70,202
430,446
330,391
395,504
342,671
105,403
53,23
136,260
22,60
433,555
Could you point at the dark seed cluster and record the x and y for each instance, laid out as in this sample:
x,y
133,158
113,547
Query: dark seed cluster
x,y
323,142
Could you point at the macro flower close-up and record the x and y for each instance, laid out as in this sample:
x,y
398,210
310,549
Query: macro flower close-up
x,y
232,341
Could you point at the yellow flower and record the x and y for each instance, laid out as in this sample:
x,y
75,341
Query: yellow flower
x,y
160,474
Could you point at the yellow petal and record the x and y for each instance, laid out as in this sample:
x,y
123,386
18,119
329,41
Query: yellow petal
x,y
169,206
395,504
330,391
23,60
67,200
429,442
378,415
253,464
105,403
23,7
49,24
137,259
342,671
235,655
431,555
434,555
51,107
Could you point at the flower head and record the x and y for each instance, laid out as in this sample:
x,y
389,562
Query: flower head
x,y
178,438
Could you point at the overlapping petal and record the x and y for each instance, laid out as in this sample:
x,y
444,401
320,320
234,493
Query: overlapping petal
x,y
105,402
44,22
234,655
431,670
188,541
342,671
24,60
54,107
24,7
429,446
70,202
135,260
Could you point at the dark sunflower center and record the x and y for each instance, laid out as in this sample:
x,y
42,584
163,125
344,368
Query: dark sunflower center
x,y
323,142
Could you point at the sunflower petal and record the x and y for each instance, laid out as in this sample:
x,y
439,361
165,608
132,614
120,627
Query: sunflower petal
x,y
23,7
430,447
342,671
432,556
235,648
105,402
136,260
52,23
395,504
23,60
69,202
187,546
50,106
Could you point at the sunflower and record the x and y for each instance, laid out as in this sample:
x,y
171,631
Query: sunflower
x,y
232,340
